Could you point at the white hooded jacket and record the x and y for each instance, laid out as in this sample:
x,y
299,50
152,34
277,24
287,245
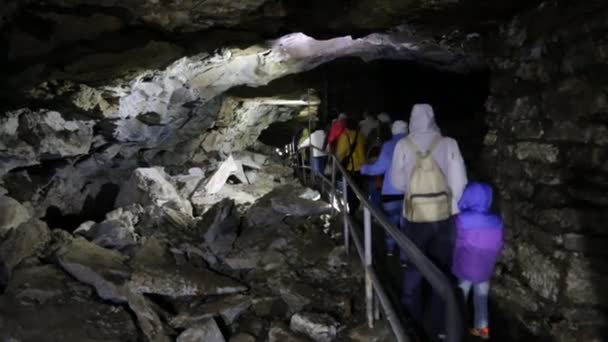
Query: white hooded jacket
x,y
318,138
423,131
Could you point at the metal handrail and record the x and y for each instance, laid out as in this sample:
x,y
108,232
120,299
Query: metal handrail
x,y
438,280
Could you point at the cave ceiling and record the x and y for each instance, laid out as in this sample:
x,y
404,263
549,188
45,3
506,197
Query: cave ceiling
x,y
93,41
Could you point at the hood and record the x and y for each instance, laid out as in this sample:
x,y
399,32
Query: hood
x,y
399,127
476,197
422,119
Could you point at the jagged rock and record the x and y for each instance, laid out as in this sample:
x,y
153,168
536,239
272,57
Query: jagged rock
x,y
544,153
149,186
206,331
169,225
281,202
43,303
156,273
104,269
280,333
381,332
12,213
112,234
540,271
228,168
219,226
228,308
242,337
27,240
84,228
296,295
585,279
319,327
49,136
148,319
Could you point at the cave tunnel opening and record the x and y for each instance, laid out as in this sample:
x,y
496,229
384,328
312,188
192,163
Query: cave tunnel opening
x,y
354,87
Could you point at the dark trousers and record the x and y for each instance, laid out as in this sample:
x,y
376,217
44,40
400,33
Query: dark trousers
x,y
353,201
436,240
318,165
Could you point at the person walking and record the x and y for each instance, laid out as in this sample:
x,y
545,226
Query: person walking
x,y
478,244
391,198
319,156
351,154
430,171
338,127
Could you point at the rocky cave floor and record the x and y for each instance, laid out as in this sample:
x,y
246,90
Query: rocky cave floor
x,y
265,265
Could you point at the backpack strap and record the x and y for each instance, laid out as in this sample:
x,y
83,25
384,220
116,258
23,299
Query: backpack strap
x,y
432,148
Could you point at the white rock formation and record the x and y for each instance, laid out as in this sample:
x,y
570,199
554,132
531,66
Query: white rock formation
x,y
149,186
12,213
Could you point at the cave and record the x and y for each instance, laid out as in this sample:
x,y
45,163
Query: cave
x,y
127,128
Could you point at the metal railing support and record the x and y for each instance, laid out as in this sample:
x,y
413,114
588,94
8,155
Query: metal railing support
x,y
345,209
333,185
369,290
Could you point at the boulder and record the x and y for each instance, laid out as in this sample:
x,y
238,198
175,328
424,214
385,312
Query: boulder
x,y
207,331
43,303
27,240
319,327
49,136
228,308
586,280
541,272
112,234
219,226
242,337
12,214
102,268
280,333
381,332
149,186
156,272
148,320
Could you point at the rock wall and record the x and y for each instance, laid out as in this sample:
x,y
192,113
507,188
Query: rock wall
x,y
547,152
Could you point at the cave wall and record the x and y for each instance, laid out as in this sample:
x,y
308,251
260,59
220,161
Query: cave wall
x,y
547,152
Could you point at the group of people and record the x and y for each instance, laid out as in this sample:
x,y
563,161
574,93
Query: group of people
x,y
418,178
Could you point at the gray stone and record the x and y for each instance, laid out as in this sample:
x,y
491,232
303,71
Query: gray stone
x,y
513,296
586,244
103,269
43,303
280,333
544,153
242,337
12,213
112,234
542,274
207,331
148,320
319,327
219,226
381,332
155,272
586,283
228,308
149,186
25,241
49,136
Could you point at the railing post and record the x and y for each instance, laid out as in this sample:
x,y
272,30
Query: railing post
x,y
345,212
369,290
333,183
303,159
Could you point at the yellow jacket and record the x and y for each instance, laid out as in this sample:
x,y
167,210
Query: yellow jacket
x,y
343,150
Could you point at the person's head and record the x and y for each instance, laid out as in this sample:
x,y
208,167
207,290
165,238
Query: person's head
x,y
352,124
422,119
477,196
368,116
399,127
342,116
384,118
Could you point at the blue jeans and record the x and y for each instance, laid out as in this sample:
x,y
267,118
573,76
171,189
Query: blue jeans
x,y
436,241
480,300
318,164
393,213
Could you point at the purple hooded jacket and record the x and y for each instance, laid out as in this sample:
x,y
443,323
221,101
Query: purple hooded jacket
x,y
480,235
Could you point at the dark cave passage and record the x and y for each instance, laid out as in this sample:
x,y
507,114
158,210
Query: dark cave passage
x,y
356,87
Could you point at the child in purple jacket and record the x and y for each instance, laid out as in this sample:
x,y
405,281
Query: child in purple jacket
x,y
478,245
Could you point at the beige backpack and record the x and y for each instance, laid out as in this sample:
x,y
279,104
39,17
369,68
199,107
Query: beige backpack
x,y
428,198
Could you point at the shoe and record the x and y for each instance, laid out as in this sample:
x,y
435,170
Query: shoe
x,y
484,333
403,264
389,254
441,337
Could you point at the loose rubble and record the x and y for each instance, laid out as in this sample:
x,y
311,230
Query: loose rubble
x,y
153,271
